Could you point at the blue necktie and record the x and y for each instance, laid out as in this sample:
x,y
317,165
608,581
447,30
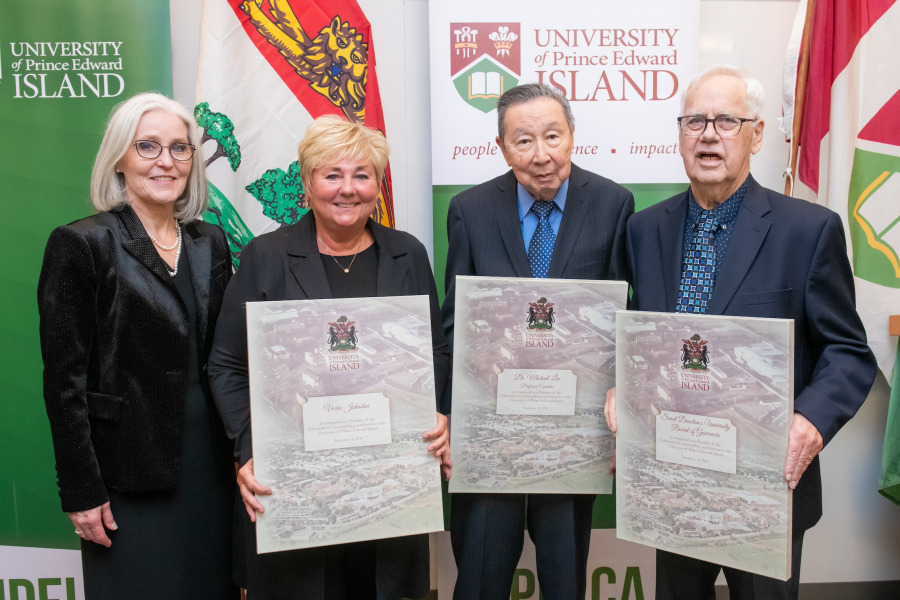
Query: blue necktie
x,y
541,247
698,275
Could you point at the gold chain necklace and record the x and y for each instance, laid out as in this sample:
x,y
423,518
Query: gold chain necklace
x,y
331,252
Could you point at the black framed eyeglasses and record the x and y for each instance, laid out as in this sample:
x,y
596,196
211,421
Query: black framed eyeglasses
x,y
695,125
178,151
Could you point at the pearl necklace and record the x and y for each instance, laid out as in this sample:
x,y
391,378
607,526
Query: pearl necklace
x,y
176,245
331,252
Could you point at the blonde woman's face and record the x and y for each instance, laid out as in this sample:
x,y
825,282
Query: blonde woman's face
x,y
343,194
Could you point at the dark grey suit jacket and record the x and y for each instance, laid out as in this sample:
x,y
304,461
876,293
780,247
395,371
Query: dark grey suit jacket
x,y
114,339
485,236
787,259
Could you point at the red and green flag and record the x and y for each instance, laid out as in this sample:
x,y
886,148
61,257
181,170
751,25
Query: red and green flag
x,y
850,156
267,68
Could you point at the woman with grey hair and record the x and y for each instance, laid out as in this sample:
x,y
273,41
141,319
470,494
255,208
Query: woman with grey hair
x,y
128,299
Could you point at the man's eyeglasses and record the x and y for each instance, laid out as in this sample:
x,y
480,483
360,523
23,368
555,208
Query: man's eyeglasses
x,y
150,149
695,125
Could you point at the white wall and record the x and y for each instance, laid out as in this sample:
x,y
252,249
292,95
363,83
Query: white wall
x,y
858,539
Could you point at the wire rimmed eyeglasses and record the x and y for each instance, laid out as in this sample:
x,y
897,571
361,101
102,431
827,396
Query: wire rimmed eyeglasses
x,y
695,125
150,149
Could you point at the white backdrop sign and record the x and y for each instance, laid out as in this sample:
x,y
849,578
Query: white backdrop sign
x,y
622,66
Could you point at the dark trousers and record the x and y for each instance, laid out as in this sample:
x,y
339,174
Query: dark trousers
x,y
682,578
487,533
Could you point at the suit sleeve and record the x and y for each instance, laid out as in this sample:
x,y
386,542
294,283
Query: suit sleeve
x,y
229,378
67,302
618,266
459,262
441,350
845,367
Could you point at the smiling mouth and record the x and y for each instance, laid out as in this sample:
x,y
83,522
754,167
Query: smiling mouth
x,y
163,178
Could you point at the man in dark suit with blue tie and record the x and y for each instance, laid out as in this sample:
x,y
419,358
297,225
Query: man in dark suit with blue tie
x,y
544,218
728,246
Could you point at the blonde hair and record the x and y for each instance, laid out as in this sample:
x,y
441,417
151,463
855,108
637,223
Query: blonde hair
x,y
755,92
329,139
108,186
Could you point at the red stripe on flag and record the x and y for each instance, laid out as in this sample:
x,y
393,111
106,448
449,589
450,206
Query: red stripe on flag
x,y
885,125
837,28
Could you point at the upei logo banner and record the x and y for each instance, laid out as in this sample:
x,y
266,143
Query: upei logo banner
x,y
622,66
266,70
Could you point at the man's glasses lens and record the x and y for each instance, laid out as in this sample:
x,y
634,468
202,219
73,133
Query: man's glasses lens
x,y
725,126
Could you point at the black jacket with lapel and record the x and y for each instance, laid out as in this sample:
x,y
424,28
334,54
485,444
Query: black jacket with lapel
x,y
114,339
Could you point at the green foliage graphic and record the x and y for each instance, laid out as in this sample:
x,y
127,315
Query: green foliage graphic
x,y
281,194
218,127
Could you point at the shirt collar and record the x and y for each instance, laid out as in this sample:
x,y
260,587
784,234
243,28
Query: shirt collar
x,y
724,213
525,200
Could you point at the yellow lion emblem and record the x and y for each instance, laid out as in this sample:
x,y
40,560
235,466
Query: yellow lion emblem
x,y
334,62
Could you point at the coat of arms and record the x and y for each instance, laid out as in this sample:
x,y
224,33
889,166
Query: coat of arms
x,y
342,335
694,354
540,315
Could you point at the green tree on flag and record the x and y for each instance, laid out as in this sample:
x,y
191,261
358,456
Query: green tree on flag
x,y
281,194
218,127
221,212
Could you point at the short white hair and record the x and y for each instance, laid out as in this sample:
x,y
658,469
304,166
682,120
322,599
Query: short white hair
x,y
755,93
108,186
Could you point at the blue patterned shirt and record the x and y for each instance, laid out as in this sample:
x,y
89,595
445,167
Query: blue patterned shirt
x,y
725,214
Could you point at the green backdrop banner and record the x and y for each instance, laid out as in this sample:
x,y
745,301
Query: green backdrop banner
x,y
63,65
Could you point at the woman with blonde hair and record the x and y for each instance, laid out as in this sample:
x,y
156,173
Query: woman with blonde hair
x,y
334,251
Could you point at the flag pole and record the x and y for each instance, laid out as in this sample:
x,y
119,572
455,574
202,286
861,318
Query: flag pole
x,y
799,99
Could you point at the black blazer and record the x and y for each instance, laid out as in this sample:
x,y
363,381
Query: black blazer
x,y
485,236
285,265
787,259
114,339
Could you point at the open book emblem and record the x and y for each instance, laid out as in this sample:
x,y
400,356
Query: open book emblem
x,y
485,61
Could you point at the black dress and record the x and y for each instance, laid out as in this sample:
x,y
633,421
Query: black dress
x,y
176,543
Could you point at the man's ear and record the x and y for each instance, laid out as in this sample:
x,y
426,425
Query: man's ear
x,y
503,150
757,136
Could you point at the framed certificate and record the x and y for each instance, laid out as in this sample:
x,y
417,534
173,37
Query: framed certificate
x,y
341,392
704,407
532,361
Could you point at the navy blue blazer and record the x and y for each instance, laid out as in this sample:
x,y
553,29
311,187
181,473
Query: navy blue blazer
x,y
485,236
787,259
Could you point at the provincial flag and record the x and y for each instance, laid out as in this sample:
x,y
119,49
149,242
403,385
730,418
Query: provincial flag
x,y
850,156
267,69
850,146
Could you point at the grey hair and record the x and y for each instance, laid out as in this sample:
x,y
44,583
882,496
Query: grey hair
x,y
108,186
755,93
526,93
